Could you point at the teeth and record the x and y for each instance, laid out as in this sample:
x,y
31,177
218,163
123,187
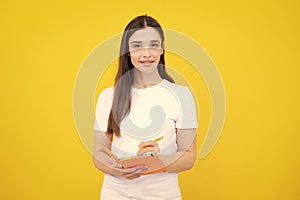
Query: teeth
x,y
146,61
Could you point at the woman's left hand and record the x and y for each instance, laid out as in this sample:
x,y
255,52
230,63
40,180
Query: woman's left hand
x,y
148,146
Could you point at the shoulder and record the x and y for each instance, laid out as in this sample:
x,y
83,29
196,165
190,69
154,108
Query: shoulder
x,y
106,93
178,89
182,93
108,90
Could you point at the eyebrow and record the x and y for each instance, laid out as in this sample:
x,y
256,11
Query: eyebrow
x,y
153,41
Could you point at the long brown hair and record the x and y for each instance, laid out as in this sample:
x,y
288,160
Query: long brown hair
x,y
121,104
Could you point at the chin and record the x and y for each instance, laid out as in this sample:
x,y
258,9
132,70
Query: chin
x,y
147,68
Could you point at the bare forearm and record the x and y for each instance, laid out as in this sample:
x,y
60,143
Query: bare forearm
x,y
103,162
185,157
179,161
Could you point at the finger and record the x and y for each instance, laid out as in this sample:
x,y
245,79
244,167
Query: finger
x,y
136,173
130,170
148,149
148,143
142,170
139,170
117,165
131,176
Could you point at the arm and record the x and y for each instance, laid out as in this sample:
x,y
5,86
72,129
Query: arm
x,y
102,161
185,157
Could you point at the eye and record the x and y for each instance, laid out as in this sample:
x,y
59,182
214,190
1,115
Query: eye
x,y
154,45
136,46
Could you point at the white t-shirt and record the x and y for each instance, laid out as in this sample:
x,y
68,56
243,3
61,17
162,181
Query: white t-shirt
x,y
155,111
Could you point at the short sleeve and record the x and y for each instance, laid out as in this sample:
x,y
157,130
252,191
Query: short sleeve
x,y
187,117
103,108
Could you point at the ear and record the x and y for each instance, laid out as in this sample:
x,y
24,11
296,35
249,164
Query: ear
x,y
162,47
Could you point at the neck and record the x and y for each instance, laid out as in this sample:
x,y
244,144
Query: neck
x,y
144,80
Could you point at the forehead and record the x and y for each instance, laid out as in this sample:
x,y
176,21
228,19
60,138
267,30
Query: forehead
x,y
144,35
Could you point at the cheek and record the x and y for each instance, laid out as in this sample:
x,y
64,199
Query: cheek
x,y
158,53
134,58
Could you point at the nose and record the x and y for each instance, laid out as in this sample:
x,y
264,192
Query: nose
x,y
146,53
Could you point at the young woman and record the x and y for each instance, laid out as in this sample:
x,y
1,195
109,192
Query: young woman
x,y
125,123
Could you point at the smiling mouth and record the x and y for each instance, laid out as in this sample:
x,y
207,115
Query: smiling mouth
x,y
146,62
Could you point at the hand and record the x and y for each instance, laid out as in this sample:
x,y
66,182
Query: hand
x,y
129,173
148,146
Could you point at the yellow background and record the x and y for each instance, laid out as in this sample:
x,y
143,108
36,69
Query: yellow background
x,y
255,45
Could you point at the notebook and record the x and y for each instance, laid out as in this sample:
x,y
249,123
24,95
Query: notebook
x,y
151,160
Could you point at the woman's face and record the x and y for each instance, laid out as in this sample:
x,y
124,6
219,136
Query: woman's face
x,y
145,48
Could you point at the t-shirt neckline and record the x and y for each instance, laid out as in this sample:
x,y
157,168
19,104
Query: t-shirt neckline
x,y
147,88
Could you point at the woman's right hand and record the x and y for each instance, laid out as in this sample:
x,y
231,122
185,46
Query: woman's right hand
x,y
128,173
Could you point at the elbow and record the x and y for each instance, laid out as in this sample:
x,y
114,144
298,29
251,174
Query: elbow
x,y
187,163
190,163
102,166
97,163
